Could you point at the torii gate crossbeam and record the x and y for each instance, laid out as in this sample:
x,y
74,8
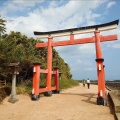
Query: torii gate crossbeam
x,y
73,41
97,38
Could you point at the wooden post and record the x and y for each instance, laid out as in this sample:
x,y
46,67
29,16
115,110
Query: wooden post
x,y
100,70
56,80
36,81
49,67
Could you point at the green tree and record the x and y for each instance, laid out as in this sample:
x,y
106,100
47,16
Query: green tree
x,y
16,47
2,27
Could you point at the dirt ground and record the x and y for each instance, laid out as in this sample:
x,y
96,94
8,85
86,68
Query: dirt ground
x,y
77,103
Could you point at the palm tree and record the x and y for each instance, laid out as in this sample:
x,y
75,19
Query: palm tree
x,y
2,27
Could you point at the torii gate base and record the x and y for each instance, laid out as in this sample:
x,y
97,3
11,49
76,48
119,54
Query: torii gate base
x,y
36,82
97,38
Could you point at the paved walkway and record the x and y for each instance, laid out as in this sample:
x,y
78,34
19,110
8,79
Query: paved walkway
x,y
78,103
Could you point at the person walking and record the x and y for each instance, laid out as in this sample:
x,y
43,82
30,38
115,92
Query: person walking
x,y
88,83
83,83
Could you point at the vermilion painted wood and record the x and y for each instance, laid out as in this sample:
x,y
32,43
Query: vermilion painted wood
x,y
49,64
100,73
53,88
97,44
46,71
56,78
36,79
42,90
72,37
73,41
43,71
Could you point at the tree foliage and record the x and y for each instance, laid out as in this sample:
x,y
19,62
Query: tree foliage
x,y
2,26
16,47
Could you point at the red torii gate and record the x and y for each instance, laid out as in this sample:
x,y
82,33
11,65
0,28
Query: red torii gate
x,y
71,32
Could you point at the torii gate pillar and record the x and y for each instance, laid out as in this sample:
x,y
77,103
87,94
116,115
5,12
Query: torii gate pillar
x,y
49,65
100,70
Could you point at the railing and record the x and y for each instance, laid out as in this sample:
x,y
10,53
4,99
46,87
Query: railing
x,y
2,82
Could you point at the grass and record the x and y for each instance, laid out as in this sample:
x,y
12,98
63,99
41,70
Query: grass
x,y
64,84
24,88
68,83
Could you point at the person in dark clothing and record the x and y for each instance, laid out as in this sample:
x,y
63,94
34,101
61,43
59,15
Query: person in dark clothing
x,y
88,83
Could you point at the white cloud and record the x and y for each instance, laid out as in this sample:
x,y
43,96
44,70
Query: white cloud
x,y
58,16
110,4
17,5
82,65
77,50
90,69
81,62
53,17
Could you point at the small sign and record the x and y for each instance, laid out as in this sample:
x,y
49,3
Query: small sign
x,y
99,67
34,70
33,91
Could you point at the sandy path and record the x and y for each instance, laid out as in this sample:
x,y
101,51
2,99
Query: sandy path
x,y
78,103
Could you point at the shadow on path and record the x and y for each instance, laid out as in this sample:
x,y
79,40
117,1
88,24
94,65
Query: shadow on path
x,y
87,97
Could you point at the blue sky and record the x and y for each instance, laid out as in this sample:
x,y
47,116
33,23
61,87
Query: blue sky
x,y
27,16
